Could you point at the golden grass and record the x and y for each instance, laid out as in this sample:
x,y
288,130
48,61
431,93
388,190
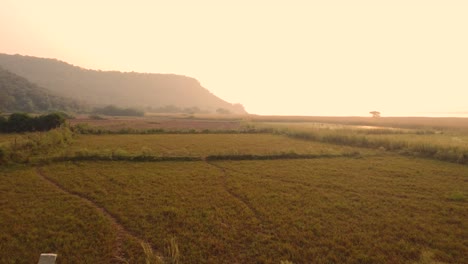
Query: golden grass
x,y
370,210
171,122
377,207
37,218
199,145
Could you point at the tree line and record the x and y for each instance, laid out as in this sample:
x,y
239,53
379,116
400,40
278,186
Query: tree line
x,y
22,122
112,110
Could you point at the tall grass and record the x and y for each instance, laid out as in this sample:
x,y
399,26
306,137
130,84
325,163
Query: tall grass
x,y
367,139
172,251
150,256
24,148
172,255
439,123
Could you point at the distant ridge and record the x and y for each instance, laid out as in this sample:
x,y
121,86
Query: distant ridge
x,y
128,89
19,95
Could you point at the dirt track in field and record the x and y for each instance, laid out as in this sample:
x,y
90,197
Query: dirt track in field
x,y
122,232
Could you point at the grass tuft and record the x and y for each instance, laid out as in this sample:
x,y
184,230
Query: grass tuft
x,y
150,256
457,197
172,251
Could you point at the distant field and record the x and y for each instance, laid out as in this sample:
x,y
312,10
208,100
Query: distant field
x,y
172,123
442,140
337,126
446,144
370,210
401,122
449,138
200,145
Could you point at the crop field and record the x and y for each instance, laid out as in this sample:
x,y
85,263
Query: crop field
x,y
367,210
37,218
200,145
295,193
159,122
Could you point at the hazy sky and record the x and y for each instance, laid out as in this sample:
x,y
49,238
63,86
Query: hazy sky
x,y
325,57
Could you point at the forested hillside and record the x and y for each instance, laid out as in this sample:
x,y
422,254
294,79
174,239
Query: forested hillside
x,y
126,89
19,95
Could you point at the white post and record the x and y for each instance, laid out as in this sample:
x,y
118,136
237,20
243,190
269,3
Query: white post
x,y
47,258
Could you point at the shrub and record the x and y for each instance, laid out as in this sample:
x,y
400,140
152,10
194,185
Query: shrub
x,y
48,122
19,122
22,122
38,145
112,110
3,122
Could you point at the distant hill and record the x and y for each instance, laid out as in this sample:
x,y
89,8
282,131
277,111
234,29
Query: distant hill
x,y
127,89
19,95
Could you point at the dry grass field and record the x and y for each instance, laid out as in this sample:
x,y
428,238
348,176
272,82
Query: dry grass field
x,y
292,192
201,145
173,122
37,218
368,210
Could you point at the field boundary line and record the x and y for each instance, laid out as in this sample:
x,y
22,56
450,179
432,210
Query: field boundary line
x,y
119,227
285,156
241,157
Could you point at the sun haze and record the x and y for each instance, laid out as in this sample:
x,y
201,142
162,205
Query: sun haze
x,y
274,57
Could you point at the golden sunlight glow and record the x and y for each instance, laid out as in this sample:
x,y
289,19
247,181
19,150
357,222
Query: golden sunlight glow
x,y
338,57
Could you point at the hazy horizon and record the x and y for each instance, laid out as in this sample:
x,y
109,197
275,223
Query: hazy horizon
x,y
402,58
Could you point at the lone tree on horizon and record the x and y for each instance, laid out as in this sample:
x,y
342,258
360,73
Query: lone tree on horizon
x,y
375,114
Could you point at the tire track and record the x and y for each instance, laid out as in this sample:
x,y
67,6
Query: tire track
x,y
239,198
265,227
122,232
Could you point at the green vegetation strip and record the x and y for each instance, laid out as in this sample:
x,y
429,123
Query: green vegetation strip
x,y
88,130
281,156
63,145
30,147
211,157
117,157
